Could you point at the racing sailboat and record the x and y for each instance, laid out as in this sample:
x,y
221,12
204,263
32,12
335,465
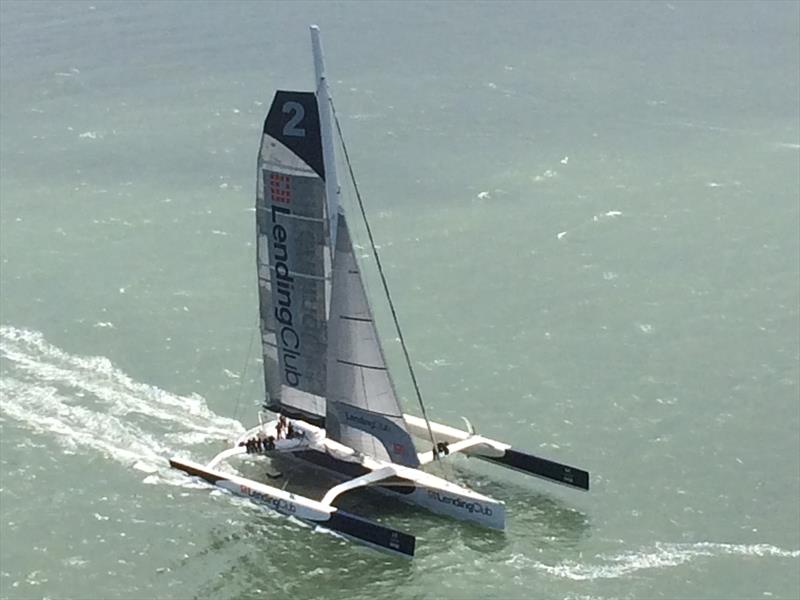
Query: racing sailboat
x,y
326,377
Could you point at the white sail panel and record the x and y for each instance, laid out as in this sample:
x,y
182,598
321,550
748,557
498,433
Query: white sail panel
x,y
291,252
362,408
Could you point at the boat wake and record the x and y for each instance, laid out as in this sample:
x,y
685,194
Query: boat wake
x,y
660,555
85,403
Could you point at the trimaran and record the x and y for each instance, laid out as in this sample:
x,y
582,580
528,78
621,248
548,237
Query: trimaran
x,y
324,367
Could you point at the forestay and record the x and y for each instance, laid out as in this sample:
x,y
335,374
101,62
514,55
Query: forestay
x,y
362,409
290,224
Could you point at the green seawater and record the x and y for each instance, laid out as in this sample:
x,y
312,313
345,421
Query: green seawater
x,y
589,215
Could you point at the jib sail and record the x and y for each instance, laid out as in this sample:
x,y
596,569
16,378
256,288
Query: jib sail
x,y
362,408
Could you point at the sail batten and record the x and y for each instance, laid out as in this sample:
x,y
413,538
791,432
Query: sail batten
x,y
361,366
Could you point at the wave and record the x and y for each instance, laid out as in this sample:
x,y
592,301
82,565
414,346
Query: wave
x,y
86,403
660,555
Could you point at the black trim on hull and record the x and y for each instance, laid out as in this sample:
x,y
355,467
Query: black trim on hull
x,y
541,467
371,533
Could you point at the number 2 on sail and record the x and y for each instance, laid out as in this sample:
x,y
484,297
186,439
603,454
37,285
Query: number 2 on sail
x,y
298,112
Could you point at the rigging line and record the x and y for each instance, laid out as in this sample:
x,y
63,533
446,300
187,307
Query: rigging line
x,y
383,281
244,369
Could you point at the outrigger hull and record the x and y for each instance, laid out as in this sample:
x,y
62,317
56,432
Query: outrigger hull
x,y
308,510
499,453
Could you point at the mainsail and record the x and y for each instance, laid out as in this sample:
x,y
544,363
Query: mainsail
x,y
290,224
362,408
323,370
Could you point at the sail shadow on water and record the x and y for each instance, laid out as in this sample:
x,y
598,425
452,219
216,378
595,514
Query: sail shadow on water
x,y
312,482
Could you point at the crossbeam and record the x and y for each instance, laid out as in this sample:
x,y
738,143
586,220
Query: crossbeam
x,y
459,446
362,481
226,454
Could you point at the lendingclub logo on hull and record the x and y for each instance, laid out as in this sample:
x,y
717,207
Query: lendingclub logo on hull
x,y
278,504
471,506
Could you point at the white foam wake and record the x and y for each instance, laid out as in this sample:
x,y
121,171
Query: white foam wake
x,y
609,214
661,555
85,403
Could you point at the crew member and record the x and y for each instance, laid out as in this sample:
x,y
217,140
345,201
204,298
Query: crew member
x,y
282,424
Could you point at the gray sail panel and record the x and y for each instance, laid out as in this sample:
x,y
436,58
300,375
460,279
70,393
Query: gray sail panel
x,y
362,408
291,240
269,345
